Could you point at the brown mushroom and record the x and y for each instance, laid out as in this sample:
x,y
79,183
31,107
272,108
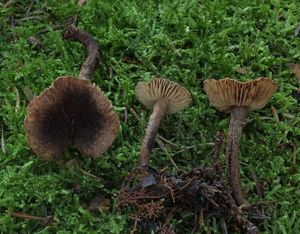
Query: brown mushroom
x,y
72,111
238,98
164,96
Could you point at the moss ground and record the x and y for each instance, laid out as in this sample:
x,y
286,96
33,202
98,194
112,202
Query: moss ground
x,y
184,41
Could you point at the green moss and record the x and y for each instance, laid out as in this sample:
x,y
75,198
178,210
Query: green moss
x,y
185,41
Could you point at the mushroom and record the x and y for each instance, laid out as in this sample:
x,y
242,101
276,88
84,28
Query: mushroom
x,y
72,111
238,98
164,96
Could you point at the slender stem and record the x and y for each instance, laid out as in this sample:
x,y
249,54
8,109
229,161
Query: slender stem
x,y
159,111
87,68
237,122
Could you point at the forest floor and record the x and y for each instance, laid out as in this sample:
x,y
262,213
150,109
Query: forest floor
x,y
184,41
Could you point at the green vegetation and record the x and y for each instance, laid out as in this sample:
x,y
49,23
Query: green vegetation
x,y
185,41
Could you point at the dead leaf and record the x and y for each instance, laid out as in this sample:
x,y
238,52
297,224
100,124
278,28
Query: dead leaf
x,y
243,70
35,42
275,114
81,2
148,181
99,202
295,69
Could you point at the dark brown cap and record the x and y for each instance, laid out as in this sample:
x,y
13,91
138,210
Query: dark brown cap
x,y
227,93
71,111
157,89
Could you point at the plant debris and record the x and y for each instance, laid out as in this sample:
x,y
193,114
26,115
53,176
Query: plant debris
x,y
157,197
47,220
295,68
99,202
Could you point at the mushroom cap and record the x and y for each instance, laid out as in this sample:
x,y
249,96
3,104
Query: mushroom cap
x,y
71,111
227,93
176,96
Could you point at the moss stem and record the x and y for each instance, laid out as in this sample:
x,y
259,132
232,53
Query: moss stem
x,y
237,122
159,111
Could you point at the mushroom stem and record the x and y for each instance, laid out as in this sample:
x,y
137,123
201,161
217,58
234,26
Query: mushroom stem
x,y
159,111
87,68
237,122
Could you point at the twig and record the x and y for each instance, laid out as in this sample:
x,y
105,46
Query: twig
x,y
46,220
167,141
18,21
257,184
89,174
135,114
125,115
135,229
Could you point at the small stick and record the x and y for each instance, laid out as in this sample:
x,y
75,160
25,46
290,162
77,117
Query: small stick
x,y
89,174
135,229
167,141
46,220
27,18
87,68
125,115
135,114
